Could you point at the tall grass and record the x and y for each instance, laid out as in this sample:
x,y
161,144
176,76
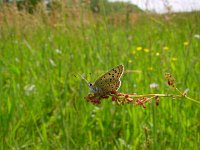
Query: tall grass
x,y
42,104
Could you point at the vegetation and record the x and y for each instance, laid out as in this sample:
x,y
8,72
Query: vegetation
x,y
42,103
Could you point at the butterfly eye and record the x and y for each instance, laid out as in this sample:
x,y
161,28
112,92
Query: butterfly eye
x,y
90,84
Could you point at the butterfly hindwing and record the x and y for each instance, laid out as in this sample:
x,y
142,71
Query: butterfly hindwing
x,y
112,86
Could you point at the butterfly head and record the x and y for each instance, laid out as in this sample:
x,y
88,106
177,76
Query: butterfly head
x,y
93,89
90,84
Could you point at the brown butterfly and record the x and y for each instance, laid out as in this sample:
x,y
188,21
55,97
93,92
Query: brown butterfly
x,y
108,82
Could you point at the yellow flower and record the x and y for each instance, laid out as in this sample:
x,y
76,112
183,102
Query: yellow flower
x,y
157,54
130,61
150,68
174,59
166,48
133,52
185,43
139,48
146,50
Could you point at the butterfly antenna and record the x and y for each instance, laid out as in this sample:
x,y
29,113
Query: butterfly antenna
x,y
83,78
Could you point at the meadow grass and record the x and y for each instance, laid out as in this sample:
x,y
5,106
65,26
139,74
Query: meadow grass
x,y
42,103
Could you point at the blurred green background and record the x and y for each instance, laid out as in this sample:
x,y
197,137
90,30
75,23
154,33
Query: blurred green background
x,y
42,103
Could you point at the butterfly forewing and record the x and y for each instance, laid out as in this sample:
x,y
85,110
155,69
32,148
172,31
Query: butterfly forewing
x,y
111,86
110,81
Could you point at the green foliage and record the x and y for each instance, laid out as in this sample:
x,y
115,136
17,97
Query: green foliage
x,y
30,5
94,6
105,7
42,104
121,7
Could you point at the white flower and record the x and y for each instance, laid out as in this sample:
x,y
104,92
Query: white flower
x,y
29,88
197,36
153,85
58,51
52,62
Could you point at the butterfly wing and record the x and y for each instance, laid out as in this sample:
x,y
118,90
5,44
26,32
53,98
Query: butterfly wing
x,y
113,86
110,81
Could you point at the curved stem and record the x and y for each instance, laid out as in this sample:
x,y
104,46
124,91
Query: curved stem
x,y
164,95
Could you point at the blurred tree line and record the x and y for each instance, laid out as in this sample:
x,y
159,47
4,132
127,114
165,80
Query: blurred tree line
x,y
96,6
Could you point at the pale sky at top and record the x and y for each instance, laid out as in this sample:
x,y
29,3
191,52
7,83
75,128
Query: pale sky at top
x,y
160,5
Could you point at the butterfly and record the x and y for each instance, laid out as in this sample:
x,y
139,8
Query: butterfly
x,y
108,82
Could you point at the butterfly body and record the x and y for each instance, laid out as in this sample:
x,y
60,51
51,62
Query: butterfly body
x,y
108,82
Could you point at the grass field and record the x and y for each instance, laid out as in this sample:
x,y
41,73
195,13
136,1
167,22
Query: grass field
x,y
42,103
